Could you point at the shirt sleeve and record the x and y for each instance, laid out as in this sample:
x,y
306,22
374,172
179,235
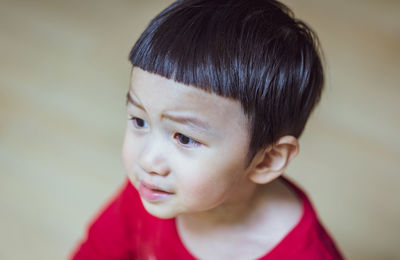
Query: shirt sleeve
x,y
109,233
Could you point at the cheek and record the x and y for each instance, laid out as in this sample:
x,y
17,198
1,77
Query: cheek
x,y
207,188
201,195
128,152
129,157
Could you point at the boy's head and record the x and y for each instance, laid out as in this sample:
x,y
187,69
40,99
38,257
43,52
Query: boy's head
x,y
253,51
220,91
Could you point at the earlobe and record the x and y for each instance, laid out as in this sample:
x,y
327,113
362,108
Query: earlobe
x,y
271,162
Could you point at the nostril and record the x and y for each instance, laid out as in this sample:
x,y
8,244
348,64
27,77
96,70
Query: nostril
x,y
152,173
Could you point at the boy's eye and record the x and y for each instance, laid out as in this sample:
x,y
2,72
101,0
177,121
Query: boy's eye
x,y
186,141
138,122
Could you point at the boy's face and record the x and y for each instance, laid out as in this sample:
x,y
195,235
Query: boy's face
x,y
185,150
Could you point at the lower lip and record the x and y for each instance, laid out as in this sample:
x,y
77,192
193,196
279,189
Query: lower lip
x,y
152,195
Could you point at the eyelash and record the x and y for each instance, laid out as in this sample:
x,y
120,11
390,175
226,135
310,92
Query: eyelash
x,y
188,142
182,139
135,123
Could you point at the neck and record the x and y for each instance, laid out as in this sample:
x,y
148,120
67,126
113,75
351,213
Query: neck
x,y
231,215
254,225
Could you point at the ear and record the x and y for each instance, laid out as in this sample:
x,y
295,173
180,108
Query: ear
x,y
271,162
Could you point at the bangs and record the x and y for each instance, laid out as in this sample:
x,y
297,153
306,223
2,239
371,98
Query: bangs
x,y
191,43
186,49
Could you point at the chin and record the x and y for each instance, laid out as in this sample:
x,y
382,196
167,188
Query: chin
x,y
159,211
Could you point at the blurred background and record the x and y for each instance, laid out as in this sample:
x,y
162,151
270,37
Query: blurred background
x,y
63,77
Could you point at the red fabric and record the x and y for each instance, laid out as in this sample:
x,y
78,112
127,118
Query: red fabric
x,y
124,230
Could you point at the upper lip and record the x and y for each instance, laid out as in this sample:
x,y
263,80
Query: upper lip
x,y
154,187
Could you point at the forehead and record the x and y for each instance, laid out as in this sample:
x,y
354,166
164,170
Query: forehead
x,y
160,95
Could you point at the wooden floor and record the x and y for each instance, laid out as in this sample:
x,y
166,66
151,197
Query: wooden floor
x,y
63,76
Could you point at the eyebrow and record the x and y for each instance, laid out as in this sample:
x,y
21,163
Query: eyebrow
x,y
188,120
131,100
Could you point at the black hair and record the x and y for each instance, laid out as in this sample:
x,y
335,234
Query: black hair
x,y
253,51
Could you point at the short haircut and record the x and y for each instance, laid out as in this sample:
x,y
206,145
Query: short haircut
x,y
253,51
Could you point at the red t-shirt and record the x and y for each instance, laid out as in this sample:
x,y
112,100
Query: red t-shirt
x,y
124,230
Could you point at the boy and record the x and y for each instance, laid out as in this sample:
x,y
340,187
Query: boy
x,y
220,92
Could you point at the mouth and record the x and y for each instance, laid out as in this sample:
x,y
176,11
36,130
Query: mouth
x,y
153,193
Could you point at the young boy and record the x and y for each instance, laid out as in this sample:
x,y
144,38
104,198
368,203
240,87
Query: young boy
x,y
220,92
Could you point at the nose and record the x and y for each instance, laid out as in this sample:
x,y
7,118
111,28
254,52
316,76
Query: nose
x,y
152,158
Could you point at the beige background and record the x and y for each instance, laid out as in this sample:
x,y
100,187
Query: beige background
x,y
63,76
